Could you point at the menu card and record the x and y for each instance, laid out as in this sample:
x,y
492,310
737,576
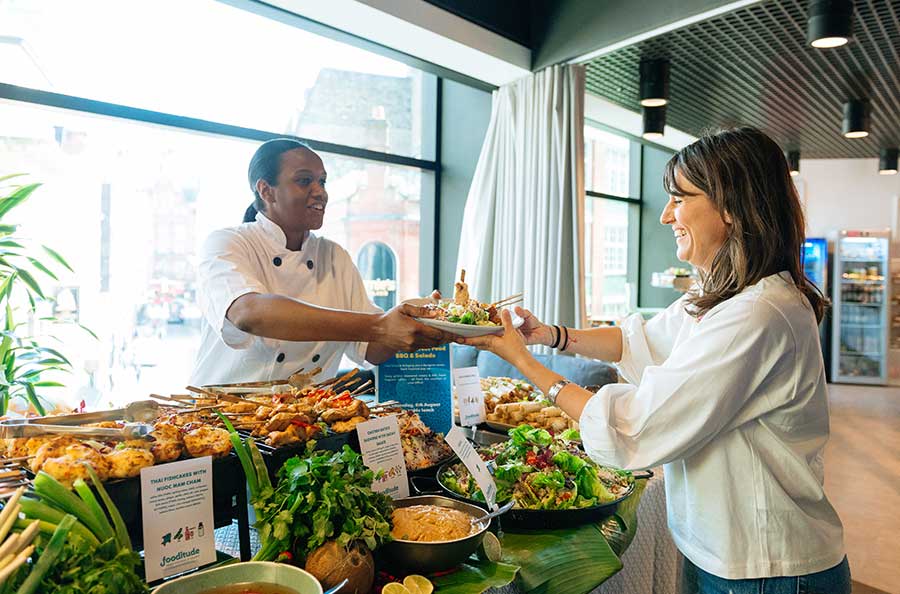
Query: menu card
x,y
420,382
469,396
456,439
177,509
379,442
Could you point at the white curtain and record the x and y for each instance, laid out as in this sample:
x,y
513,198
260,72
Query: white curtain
x,y
523,225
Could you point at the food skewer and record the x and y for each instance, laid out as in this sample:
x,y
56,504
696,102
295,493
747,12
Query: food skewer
x,y
228,397
517,298
360,389
337,380
176,403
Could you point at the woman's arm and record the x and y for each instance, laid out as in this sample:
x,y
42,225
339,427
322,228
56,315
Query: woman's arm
x,y
512,346
598,343
284,318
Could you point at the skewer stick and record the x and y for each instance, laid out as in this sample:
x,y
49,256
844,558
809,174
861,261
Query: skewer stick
x,y
6,474
198,409
337,380
177,403
361,388
19,459
16,563
235,399
509,300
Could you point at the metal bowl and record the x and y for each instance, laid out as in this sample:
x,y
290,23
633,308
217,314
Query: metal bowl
x,y
428,557
235,574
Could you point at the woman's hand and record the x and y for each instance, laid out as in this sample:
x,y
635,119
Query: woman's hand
x,y
532,330
510,346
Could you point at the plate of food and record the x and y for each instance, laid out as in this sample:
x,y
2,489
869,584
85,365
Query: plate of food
x,y
467,317
553,482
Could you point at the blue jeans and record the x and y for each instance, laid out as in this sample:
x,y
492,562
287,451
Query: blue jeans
x,y
831,581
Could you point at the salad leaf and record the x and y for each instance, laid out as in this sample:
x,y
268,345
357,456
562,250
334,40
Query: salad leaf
x,y
589,485
554,479
568,462
467,318
524,435
570,435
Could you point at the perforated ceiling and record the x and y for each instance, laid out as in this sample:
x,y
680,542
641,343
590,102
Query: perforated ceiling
x,y
753,66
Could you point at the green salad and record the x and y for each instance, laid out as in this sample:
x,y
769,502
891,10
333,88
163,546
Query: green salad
x,y
540,470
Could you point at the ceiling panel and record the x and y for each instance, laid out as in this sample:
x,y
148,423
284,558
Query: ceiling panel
x,y
753,66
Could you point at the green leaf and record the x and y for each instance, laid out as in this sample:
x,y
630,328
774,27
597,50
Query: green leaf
x,y
32,284
7,229
574,560
42,268
89,331
16,198
619,530
475,576
4,401
10,176
55,255
7,285
11,243
56,354
48,384
33,399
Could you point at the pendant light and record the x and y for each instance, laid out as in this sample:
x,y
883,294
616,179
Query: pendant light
x,y
654,86
887,162
856,119
793,161
654,122
829,23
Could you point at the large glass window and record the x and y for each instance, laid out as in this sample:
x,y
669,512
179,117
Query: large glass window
x,y
129,205
607,162
612,212
208,60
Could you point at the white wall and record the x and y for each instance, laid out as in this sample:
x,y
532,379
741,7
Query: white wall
x,y
847,194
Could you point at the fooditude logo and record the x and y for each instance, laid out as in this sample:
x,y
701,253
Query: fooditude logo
x,y
180,556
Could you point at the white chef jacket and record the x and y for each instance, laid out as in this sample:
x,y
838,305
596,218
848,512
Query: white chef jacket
x,y
253,258
734,406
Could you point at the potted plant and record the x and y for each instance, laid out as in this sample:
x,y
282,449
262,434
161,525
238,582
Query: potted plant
x,y
24,359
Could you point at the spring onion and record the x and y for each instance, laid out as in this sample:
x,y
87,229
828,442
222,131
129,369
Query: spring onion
x,y
48,488
121,530
48,556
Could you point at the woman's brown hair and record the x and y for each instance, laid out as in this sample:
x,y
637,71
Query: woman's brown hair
x,y
745,174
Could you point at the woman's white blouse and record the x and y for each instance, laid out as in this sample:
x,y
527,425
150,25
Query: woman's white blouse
x,y
252,258
734,406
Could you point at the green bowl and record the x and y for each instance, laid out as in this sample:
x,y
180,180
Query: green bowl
x,y
265,572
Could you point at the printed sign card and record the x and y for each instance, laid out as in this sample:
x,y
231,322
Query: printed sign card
x,y
420,382
469,396
177,509
456,439
379,442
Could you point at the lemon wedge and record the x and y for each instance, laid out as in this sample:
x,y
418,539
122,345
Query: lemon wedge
x,y
418,584
395,588
489,549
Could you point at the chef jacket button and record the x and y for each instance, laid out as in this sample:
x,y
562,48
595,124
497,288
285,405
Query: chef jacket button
x,y
280,357
276,261
315,358
309,264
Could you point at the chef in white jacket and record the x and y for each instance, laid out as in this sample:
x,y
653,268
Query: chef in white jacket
x,y
277,298
726,388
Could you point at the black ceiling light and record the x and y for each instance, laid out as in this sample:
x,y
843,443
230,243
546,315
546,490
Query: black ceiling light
x,y
887,162
829,23
654,82
654,122
793,160
856,119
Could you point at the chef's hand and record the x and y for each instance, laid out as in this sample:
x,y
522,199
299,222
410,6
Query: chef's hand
x,y
397,330
533,330
510,345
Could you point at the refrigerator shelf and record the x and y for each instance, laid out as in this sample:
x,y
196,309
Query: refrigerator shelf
x,y
874,355
850,325
875,260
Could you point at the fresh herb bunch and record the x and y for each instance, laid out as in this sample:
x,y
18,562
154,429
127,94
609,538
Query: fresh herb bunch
x,y
323,496
104,570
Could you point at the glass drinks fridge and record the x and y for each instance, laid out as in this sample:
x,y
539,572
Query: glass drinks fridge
x,y
861,299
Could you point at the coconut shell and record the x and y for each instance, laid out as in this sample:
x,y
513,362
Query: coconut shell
x,y
331,564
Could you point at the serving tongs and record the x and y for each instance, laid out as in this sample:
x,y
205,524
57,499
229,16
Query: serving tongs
x,y
128,431
137,414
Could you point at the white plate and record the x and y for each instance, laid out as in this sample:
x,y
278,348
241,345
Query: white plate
x,y
468,330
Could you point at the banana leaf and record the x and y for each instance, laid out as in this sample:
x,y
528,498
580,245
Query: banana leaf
x,y
574,560
474,577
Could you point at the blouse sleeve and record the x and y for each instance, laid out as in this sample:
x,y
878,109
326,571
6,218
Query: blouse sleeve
x,y
226,272
721,375
646,343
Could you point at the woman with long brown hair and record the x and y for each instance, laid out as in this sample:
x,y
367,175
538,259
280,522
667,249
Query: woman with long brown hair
x,y
727,385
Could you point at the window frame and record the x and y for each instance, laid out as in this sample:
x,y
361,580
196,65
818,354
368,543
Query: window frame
x,y
635,197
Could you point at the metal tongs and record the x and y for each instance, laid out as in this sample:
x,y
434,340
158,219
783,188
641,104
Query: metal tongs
x,y
137,414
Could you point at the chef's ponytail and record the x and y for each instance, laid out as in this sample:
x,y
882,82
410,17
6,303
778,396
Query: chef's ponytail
x,y
265,164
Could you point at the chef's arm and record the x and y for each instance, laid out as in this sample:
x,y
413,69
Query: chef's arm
x,y
284,318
